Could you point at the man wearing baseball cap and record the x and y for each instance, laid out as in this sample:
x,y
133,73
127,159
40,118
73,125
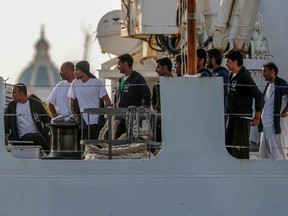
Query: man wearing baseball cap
x,y
88,90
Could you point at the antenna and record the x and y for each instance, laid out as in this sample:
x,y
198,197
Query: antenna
x,y
86,42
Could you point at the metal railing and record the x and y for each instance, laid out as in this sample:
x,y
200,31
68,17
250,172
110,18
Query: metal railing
x,y
121,114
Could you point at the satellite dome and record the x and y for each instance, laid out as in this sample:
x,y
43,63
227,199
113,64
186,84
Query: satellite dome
x,y
108,34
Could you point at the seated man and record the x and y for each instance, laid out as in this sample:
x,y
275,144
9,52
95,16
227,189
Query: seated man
x,y
26,118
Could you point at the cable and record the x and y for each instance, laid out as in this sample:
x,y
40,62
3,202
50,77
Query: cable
x,y
132,123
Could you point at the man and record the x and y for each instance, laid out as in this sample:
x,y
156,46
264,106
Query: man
x,y
202,71
26,118
88,90
58,102
242,90
274,125
163,68
133,89
214,61
180,63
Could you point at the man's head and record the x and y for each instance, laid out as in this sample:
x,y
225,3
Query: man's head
x,y
214,58
270,72
164,66
234,60
82,70
180,64
67,71
125,64
19,93
201,58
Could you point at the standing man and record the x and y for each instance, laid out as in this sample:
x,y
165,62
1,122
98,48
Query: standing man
x,y
58,102
163,68
133,89
242,90
202,71
214,61
88,90
180,63
26,118
274,127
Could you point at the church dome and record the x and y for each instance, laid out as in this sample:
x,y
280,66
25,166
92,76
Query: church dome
x,y
41,75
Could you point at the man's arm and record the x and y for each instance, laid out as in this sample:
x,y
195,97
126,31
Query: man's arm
x,y
107,100
145,93
73,109
258,97
284,113
52,110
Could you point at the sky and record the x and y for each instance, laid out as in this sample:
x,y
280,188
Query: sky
x,y
65,23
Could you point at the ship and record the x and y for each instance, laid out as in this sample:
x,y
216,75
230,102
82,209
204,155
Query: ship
x,y
193,174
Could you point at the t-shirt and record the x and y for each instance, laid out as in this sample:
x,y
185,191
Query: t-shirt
x,y
58,97
25,123
88,95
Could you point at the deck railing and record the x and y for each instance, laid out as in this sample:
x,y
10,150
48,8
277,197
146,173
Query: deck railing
x,y
144,117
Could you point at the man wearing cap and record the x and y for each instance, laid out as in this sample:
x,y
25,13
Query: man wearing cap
x,y
88,90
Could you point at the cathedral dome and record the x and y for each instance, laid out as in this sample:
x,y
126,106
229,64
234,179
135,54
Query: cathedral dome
x,y
41,75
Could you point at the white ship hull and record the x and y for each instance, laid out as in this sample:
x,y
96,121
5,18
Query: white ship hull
x,y
192,175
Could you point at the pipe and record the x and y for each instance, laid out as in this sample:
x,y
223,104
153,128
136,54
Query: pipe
x,y
191,37
225,19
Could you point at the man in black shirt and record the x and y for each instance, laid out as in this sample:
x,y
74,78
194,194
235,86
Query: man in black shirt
x,y
242,91
202,71
214,61
133,89
164,69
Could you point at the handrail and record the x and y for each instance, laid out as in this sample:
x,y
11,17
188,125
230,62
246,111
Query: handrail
x,y
121,113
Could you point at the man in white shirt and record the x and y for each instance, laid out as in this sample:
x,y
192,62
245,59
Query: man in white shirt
x,y
58,102
26,118
88,90
274,122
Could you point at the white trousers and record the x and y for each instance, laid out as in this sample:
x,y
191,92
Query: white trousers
x,y
273,146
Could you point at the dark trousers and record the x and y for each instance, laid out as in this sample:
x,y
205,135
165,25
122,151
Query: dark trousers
x,y
158,131
121,128
94,131
237,134
37,139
